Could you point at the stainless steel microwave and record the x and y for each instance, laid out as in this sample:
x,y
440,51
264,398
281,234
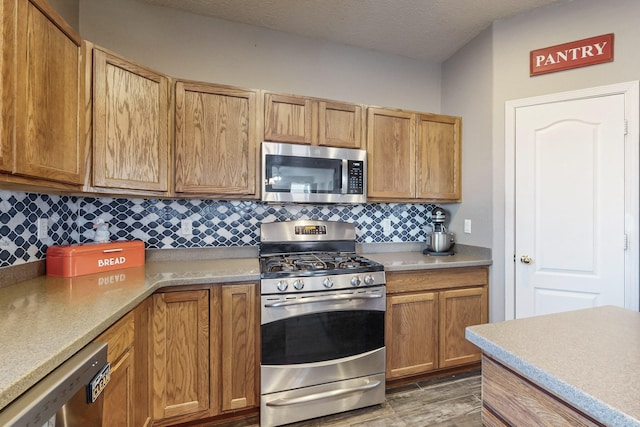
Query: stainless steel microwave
x,y
313,174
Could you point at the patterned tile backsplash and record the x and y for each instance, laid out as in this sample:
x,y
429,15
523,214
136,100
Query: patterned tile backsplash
x,y
158,222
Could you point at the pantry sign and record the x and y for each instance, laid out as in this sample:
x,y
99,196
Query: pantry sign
x,y
580,53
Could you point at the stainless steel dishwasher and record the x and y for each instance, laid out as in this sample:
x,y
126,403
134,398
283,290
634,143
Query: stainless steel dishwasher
x,y
68,396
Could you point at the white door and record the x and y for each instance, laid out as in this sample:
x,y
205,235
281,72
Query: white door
x,y
570,205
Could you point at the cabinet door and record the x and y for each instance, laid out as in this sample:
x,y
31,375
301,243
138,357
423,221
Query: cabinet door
x,y
143,341
181,354
49,101
7,82
458,309
130,125
216,139
340,125
411,334
439,157
391,154
288,119
239,359
119,395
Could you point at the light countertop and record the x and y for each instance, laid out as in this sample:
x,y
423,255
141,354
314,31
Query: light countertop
x,y
589,358
402,261
47,319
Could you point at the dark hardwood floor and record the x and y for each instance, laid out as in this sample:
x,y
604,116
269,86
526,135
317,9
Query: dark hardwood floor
x,y
445,402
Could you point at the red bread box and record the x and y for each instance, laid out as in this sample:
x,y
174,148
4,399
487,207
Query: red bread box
x,y
80,259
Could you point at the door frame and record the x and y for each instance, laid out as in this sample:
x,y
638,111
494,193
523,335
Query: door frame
x,y
631,93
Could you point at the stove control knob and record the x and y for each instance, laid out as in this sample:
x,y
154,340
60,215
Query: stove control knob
x,y
356,281
298,284
328,283
282,285
368,280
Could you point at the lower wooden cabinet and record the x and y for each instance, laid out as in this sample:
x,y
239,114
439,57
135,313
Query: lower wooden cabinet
x,y
119,395
143,340
204,352
412,333
181,383
458,309
427,313
238,352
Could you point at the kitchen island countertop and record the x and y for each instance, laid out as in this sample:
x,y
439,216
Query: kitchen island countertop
x,y
589,358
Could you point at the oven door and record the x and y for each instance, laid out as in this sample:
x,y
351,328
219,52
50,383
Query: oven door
x,y
311,338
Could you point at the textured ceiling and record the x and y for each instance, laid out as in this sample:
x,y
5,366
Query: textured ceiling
x,y
424,29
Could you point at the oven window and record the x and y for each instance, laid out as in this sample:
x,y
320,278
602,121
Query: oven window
x,y
292,174
321,336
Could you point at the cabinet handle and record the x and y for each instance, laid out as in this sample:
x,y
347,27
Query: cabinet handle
x,y
323,395
311,300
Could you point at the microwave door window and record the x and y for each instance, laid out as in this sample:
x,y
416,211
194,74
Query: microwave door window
x,y
302,175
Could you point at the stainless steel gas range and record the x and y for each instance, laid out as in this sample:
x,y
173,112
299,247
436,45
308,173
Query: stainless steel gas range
x,y
322,322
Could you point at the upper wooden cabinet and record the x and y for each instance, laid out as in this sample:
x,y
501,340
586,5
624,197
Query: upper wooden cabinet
x,y
413,156
287,118
391,154
340,124
7,82
305,120
217,133
49,141
131,125
439,157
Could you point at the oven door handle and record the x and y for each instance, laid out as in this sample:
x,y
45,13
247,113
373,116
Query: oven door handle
x,y
323,395
333,298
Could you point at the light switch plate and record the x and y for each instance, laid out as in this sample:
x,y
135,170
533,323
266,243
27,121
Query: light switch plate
x,y
43,228
386,226
186,228
467,226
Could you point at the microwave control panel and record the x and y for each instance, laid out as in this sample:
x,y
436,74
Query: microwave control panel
x,y
355,183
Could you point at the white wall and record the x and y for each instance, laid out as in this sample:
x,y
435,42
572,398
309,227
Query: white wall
x,y
194,47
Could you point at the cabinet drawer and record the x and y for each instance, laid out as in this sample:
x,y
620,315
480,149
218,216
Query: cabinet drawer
x,y
119,337
412,281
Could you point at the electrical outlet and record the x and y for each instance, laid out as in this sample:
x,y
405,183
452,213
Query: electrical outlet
x,y
186,228
467,226
5,243
386,226
43,228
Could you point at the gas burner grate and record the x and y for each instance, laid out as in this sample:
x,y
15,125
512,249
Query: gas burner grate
x,y
315,264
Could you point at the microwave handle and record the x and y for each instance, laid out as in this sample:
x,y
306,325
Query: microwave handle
x,y
345,177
